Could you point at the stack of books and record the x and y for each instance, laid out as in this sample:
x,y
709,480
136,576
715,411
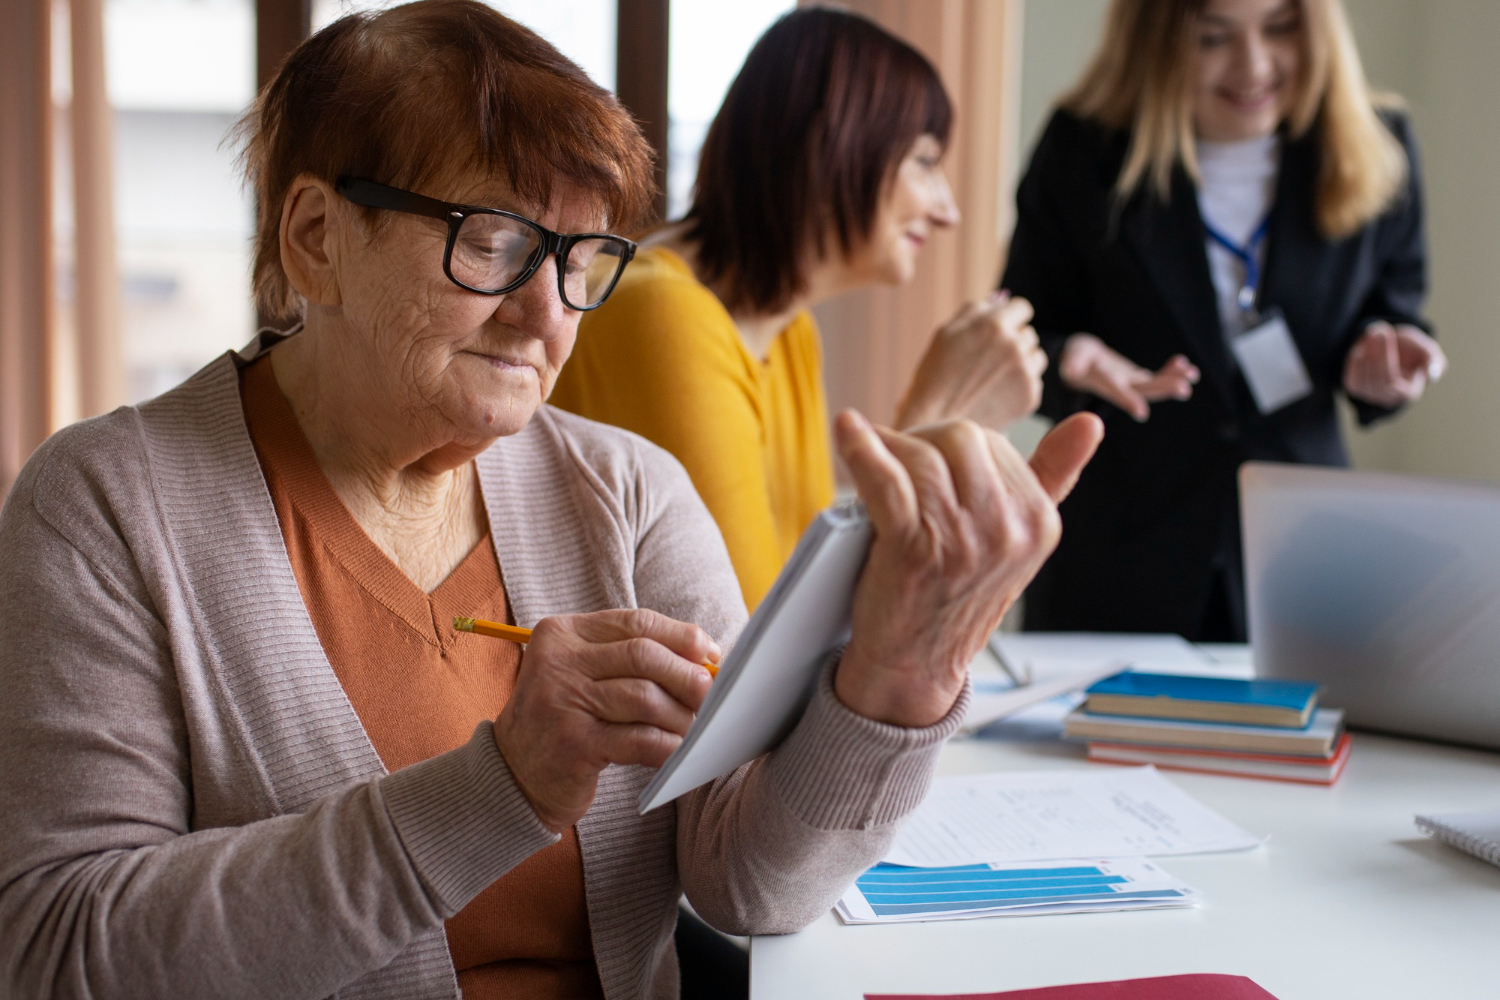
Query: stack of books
x,y
1257,728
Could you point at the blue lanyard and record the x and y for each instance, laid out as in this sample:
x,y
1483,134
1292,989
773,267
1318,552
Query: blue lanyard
x,y
1246,256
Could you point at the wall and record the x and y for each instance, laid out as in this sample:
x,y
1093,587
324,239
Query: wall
x,y
1060,37
1441,58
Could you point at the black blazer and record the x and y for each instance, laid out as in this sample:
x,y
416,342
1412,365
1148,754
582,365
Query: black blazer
x,y
1153,525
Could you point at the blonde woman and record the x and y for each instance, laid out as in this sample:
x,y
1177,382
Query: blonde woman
x,y
1220,230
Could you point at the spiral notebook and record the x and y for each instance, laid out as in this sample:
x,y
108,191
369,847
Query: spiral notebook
x,y
769,676
1476,833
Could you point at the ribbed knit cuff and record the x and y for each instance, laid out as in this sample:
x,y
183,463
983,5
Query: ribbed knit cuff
x,y
840,771
463,820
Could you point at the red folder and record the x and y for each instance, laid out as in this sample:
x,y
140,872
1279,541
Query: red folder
x,y
1201,987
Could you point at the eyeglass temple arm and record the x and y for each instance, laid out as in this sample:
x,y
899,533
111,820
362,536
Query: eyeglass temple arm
x,y
373,195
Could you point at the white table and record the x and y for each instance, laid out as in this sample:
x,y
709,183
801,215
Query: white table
x,y
1347,899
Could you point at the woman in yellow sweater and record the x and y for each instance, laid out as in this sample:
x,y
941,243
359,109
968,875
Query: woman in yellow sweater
x,y
820,174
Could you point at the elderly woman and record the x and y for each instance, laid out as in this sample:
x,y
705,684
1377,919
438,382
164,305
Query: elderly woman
x,y
244,754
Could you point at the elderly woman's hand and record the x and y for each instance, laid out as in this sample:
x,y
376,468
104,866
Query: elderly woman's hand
x,y
985,364
962,524
610,687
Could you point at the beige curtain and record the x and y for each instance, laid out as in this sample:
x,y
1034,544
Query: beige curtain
x,y
873,338
100,353
26,259
34,345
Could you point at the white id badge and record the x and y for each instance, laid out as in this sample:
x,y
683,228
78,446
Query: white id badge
x,y
1271,364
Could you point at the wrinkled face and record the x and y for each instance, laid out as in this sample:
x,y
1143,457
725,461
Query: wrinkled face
x,y
917,202
1248,58
481,364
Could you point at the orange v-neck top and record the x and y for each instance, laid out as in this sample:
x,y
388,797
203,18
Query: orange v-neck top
x,y
419,689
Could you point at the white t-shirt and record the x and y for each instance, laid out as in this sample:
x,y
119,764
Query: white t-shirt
x,y
1237,189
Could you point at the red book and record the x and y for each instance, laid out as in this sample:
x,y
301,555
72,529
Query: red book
x,y
1200,987
1302,770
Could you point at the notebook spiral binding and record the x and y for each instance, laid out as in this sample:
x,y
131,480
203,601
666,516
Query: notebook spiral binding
x,y
1485,848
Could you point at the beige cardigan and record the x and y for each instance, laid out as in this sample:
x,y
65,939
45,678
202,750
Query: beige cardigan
x,y
189,806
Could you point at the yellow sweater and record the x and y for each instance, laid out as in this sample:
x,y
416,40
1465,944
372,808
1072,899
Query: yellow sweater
x,y
663,358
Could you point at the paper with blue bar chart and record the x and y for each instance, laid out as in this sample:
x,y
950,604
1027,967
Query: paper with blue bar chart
x,y
897,894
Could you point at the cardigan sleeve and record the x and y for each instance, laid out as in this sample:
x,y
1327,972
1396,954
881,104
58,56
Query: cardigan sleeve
x,y
112,884
771,846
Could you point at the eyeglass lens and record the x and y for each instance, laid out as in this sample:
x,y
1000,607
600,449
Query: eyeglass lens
x,y
591,270
492,251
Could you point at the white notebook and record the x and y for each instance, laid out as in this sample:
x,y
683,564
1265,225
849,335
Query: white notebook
x,y
770,675
1476,833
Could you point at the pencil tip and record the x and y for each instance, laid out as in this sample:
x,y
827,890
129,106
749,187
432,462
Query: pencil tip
x,y
463,624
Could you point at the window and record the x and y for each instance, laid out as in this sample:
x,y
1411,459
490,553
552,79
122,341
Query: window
x,y
708,43
179,73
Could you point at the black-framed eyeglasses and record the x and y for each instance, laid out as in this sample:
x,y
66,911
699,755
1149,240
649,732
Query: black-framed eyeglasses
x,y
492,252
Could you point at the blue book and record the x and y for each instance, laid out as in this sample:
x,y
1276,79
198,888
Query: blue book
x,y
1283,704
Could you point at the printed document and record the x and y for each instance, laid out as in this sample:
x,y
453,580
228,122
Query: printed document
x,y
1046,815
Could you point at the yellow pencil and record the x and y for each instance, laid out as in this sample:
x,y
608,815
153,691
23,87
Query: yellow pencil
x,y
515,633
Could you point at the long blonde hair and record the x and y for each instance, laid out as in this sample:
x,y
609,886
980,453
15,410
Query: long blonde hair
x,y
1141,79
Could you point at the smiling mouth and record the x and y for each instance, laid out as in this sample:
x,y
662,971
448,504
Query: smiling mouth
x,y
1250,98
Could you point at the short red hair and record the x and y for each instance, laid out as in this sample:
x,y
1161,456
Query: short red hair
x,y
420,92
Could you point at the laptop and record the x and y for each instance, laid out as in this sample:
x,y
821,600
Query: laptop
x,y
1385,589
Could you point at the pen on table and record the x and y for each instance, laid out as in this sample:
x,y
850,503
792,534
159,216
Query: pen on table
x,y
515,633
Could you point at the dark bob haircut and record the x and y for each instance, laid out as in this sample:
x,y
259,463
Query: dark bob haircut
x,y
808,140
421,93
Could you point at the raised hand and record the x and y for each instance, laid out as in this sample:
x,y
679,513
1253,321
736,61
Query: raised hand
x,y
1391,365
984,364
609,687
1090,365
962,524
